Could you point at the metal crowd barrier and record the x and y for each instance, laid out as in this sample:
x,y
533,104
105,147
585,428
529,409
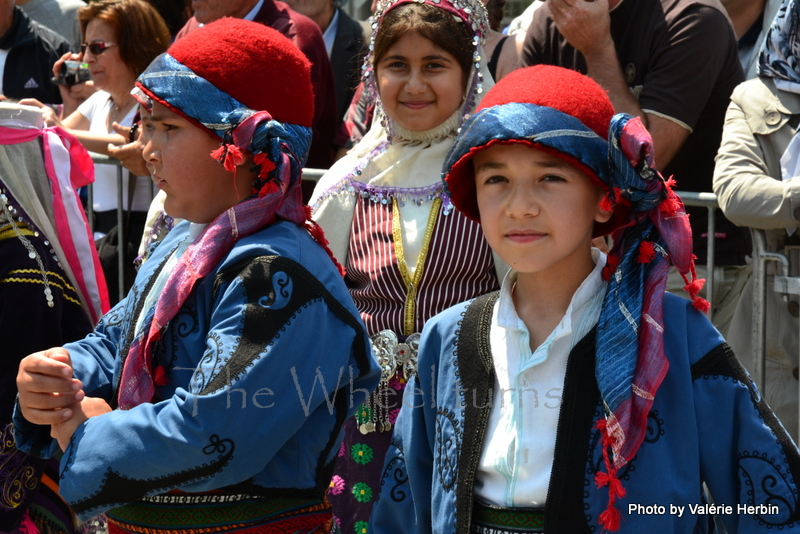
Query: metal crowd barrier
x,y
784,284
313,175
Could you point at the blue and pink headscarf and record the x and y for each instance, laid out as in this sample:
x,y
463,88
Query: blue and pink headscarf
x,y
251,87
568,115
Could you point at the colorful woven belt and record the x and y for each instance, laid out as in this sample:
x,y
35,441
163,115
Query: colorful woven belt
x,y
208,513
489,519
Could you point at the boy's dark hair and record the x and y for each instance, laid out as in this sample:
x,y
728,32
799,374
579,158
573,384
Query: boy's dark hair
x,y
436,25
141,32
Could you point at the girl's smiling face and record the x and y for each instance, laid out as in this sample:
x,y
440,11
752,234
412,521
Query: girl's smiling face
x,y
420,85
178,156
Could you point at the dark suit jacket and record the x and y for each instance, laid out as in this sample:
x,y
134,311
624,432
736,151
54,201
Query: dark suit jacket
x,y
347,55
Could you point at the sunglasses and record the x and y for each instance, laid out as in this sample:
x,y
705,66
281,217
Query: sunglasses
x,y
96,48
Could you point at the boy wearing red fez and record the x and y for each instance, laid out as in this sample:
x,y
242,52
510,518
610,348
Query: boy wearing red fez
x,y
201,403
579,397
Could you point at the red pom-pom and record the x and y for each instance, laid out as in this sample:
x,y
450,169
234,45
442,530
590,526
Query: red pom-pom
x,y
271,186
600,424
219,154
160,377
266,164
669,206
701,304
601,479
607,204
612,261
694,287
233,158
610,518
229,155
646,252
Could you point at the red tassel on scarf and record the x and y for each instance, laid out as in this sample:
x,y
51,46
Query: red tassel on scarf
x,y
267,165
268,188
229,155
610,518
607,204
701,304
160,376
612,262
615,487
646,252
694,287
669,206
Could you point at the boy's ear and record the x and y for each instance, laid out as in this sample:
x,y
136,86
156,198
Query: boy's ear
x,y
602,215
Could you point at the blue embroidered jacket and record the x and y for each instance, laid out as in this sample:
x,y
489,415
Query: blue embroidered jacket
x,y
264,361
708,424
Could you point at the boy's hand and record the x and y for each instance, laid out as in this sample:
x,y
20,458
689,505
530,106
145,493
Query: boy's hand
x,y
83,410
47,388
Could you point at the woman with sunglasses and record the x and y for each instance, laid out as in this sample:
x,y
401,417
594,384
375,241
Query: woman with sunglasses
x,y
120,39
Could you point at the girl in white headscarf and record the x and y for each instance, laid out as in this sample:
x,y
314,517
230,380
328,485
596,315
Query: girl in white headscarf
x,y
408,254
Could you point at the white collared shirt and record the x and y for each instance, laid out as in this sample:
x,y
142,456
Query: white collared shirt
x,y
519,447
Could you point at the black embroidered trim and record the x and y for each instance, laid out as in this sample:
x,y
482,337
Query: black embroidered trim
x,y
476,369
445,449
118,489
718,361
247,487
564,508
261,325
396,469
185,323
132,326
721,361
769,489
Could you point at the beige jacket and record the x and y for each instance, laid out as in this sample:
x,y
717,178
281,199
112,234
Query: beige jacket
x,y
747,181
747,177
